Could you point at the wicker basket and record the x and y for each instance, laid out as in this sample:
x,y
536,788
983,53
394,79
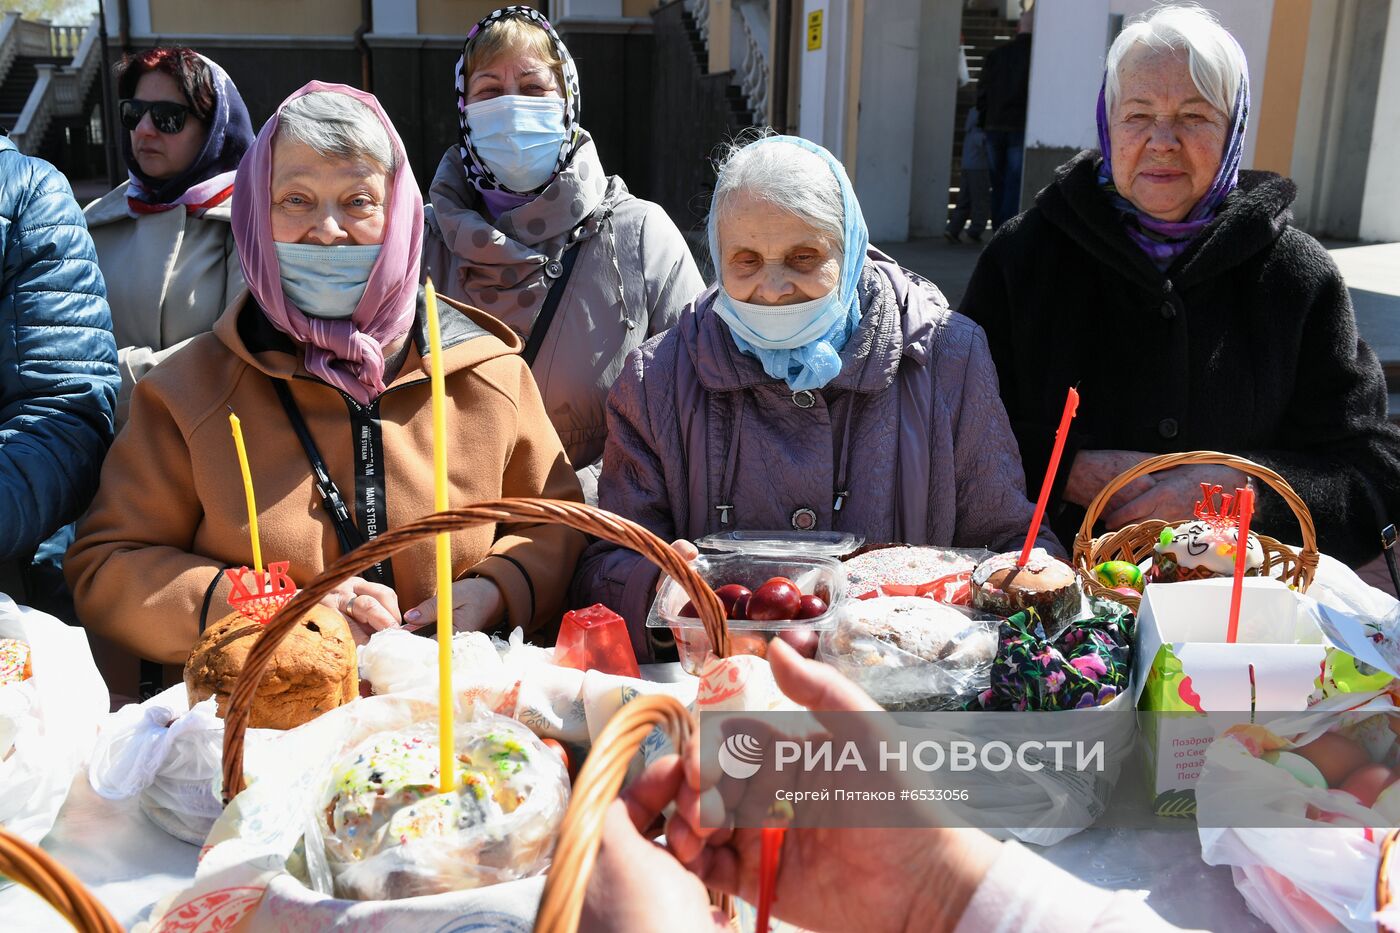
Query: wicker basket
x,y
1383,893
601,778
34,868
1133,543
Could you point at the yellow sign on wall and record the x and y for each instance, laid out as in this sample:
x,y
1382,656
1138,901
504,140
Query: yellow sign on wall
x,y
814,30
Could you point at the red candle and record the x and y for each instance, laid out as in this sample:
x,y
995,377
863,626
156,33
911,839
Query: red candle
x,y
1244,498
1071,406
770,845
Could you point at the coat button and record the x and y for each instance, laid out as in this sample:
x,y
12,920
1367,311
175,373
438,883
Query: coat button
x,y
1167,427
804,519
1168,310
804,399
554,268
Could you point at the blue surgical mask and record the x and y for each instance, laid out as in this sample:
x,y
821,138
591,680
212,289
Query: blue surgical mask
x,y
325,281
518,138
780,327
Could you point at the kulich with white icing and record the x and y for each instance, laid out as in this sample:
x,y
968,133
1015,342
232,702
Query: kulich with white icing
x,y
1203,549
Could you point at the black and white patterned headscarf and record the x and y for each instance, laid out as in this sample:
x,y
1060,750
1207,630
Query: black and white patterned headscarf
x,y
477,173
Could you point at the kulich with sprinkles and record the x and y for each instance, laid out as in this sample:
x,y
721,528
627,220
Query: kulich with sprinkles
x,y
390,832
15,664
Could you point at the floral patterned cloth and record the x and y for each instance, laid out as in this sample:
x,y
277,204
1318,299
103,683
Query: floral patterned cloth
x,y
1087,664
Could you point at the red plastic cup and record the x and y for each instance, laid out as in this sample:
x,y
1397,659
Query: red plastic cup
x,y
596,639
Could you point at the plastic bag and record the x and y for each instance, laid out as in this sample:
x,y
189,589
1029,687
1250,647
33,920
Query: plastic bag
x,y
911,652
48,723
1295,871
396,661
256,865
172,757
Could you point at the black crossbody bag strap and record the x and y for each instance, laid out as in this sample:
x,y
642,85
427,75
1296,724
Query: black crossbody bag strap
x,y
551,305
345,531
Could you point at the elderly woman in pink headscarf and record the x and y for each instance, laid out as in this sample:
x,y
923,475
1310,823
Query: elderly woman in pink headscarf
x,y
325,361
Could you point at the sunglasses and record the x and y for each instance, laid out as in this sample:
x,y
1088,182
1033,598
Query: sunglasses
x,y
168,116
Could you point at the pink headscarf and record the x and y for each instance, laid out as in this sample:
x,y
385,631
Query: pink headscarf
x,y
348,354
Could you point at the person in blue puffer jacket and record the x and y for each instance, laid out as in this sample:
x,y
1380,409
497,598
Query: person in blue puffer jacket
x,y
58,359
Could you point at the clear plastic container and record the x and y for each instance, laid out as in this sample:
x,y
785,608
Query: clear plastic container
x,y
815,576
783,543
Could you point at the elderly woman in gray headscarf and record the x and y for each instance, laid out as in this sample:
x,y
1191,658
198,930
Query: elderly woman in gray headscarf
x,y
816,385
525,224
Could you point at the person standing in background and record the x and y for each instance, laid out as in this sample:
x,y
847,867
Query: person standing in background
x,y
974,191
1002,90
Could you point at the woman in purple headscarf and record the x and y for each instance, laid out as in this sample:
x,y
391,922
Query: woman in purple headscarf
x,y
325,359
163,237
1174,290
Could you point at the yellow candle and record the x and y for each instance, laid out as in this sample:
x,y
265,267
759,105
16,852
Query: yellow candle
x,y
247,489
447,750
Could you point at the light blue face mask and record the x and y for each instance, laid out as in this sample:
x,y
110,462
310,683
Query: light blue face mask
x,y
801,344
519,138
780,327
325,281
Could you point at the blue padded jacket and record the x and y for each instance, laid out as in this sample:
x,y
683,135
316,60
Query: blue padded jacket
x,y
58,360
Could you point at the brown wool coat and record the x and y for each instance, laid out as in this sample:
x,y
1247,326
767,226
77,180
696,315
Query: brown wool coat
x,y
146,568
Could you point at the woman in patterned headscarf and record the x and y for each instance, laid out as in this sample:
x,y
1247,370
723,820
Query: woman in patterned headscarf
x,y
524,222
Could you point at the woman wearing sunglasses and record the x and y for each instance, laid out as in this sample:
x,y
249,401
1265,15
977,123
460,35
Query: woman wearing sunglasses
x,y
526,225
163,237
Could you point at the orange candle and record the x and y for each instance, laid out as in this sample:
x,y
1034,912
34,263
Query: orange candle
x,y
1071,406
1245,499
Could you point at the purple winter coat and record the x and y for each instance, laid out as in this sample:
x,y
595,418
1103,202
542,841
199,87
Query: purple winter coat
x,y
913,429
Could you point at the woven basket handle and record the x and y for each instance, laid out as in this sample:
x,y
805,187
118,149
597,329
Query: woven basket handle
x,y
587,519
1085,539
34,868
594,791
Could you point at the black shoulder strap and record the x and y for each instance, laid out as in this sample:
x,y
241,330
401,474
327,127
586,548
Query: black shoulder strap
x,y
551,305
345,531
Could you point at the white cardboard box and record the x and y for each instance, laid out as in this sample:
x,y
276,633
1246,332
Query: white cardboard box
x,y
1184,667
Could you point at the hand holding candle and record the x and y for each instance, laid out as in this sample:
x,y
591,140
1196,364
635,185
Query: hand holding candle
x,y
1244,499
446,746
1071,406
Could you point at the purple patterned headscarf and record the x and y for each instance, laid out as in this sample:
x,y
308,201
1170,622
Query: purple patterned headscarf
x,y
1162,240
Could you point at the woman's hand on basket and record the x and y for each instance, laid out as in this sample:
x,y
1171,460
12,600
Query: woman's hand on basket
x,y
836,879
368,607
1173,496
1092,470
637,886
477,606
